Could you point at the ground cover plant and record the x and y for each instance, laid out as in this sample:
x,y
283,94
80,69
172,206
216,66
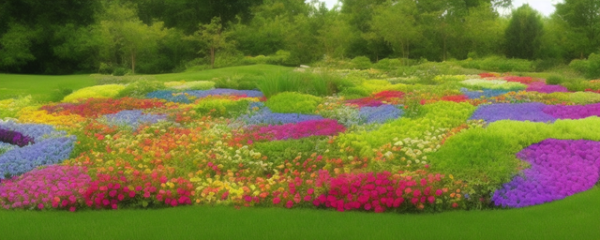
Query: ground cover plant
x,y
403,147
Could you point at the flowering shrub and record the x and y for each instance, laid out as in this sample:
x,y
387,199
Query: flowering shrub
x,y
100,91
559,168
51,187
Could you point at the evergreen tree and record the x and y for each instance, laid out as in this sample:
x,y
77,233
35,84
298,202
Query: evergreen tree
x,y
523,34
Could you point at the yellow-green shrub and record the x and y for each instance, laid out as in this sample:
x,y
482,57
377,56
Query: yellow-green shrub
x,y
100,91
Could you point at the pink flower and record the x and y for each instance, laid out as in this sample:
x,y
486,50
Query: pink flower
x,y
289,204
41,206
276,200
72,209
439,192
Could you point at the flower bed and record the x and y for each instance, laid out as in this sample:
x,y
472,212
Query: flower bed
x,y
395,147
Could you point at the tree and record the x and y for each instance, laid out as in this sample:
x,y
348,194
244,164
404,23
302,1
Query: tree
x,y
214,37
335,37
394,21
523,34
15,46
483,30
581,22
125,36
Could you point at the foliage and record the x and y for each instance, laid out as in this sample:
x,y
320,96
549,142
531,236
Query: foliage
x,y
321,84
555,80
361,62
523,34
140,88
194,85
292,102
100,91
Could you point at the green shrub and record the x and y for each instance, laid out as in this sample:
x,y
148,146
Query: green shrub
x,y
140,88
222,107
590,67
279,151
593,66
322,84
579,65
293,102
499,64
387,64
355,92
120,71
237,82
361,62
194,85
554,80
58,94
100,91
486,157
576,84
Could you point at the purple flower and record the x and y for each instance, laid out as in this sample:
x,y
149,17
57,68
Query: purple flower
x,y
573,112
14,137
518,112
544,88
559,168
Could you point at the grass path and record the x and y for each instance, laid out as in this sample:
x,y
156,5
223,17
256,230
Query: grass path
x,y
577,217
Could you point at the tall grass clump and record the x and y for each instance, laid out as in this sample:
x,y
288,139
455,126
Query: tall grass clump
x,y
318,84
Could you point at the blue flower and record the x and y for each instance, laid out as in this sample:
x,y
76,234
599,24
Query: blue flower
x,y
380,114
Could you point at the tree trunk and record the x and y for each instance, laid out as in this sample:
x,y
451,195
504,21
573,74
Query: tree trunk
x,y
133,62
212,57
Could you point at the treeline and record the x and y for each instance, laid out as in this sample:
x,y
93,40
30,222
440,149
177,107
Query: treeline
x,y
158,36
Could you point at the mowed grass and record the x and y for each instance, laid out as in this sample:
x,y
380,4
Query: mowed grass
x,y
577,217
41,87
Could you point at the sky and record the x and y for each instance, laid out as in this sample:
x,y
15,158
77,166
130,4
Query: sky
x,y
545,7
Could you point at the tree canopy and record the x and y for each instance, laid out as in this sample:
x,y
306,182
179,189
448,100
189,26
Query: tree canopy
x,y
153,36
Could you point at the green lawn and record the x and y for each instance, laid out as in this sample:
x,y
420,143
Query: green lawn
x,y
41,87
577,217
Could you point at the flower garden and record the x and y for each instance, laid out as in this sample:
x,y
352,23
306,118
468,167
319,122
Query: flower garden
x,y
467,142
